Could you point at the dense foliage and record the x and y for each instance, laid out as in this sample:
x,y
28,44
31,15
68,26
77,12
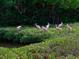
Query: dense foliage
x,y
26,35
27,12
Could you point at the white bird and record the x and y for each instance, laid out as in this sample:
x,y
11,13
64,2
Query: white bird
x,y
18,28
60,25
37,26
69,27
46,27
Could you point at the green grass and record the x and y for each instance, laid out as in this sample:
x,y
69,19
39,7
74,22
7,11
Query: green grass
x,y
58,45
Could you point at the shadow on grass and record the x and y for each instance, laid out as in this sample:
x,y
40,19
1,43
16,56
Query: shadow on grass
x,y
8,44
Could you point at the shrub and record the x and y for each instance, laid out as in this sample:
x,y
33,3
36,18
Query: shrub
x,y
2,32
23,36
34,37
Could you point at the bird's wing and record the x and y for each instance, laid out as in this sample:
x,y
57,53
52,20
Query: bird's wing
x,y
38,26
44,28
60,25
47,26
18,26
